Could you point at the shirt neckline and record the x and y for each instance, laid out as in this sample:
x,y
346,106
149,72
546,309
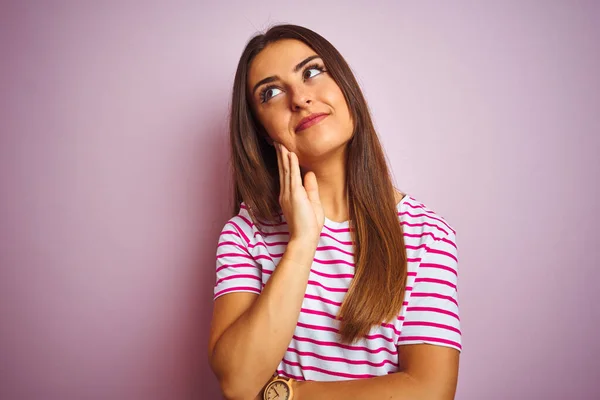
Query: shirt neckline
x,y
334,224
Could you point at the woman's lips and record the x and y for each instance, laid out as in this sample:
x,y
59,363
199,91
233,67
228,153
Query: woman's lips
x,y
311,122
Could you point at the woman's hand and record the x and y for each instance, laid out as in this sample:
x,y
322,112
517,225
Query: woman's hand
x,y
301,205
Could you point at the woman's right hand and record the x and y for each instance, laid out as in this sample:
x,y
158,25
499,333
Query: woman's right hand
x,y
300,204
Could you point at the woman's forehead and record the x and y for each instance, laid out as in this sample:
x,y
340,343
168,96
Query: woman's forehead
x,y
278,58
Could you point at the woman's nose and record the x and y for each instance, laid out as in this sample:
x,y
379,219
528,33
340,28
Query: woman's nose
x,y
300,98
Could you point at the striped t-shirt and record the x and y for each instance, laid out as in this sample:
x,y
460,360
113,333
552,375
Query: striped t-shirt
x,y
247,254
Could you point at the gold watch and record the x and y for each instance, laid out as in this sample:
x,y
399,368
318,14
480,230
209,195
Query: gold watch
x,y
279,388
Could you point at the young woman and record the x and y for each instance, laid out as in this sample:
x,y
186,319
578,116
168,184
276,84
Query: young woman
x,y
330,284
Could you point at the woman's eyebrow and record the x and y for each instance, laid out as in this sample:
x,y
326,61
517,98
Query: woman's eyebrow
x,y
275,77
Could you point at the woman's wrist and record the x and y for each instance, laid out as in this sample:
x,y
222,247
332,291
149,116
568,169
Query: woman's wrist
x,y
301,251
304,240
297,387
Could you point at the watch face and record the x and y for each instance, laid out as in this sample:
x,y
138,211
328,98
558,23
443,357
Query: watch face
x,y
278,391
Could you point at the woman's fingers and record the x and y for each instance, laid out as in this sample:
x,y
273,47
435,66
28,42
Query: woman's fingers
x,y
289,171
299,202
295,178
285,163
279,167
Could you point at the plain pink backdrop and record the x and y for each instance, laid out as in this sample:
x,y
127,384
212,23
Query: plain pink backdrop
x,y
114,179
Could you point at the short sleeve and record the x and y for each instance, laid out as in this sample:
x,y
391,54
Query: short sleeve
x,y
236,271
432,311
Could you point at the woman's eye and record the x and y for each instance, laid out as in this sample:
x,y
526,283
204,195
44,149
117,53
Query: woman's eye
x,y
308,75
269,94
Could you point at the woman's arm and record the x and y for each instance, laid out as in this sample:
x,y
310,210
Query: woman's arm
x,y
429,373
250,333
430,338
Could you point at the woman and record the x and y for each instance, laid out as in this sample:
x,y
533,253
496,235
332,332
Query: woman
x,y
330,283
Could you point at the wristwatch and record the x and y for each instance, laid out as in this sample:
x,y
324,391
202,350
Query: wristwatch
x,y
279,388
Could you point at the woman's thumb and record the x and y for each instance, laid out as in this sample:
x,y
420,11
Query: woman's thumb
x,y
312,187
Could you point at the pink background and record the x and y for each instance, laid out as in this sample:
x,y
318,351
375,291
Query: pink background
x,y
113,169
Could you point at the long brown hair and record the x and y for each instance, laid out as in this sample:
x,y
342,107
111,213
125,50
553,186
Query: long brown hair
x,y
377,290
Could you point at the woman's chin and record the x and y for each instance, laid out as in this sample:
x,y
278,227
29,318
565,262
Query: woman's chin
x,y
319,151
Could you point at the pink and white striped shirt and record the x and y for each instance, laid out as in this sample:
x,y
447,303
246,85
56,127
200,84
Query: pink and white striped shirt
x,y
247,255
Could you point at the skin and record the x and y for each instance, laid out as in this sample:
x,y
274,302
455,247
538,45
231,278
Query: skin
x,y
320,148
312,181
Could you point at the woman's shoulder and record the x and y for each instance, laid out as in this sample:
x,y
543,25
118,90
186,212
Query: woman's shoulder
x,y
240,225
419,219
257,228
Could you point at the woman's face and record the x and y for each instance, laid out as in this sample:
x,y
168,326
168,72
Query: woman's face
x,y
287,82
